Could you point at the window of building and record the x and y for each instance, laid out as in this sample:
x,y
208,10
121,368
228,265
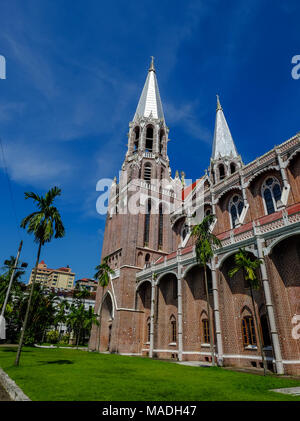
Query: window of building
x,y
147,172
232,168
236,205
147,260
173,329
184,231
221,171
161,138
205,330
160,227
248,330
136,139
271,192
149,139
148,329
147,224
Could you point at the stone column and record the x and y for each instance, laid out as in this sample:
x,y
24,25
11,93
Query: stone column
x,y
217,312
152,317
270,309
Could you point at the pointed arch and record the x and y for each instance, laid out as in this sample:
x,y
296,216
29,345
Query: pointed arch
x,y
149,138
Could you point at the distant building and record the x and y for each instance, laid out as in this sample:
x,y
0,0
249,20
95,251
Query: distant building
x,y
87,283
55,278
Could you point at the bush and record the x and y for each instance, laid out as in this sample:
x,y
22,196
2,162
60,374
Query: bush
x,y
65,339
52,336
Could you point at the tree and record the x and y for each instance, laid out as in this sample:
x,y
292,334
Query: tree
x,y
43,224
248,264
206,242
103,277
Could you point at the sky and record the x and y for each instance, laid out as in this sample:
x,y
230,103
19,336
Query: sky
x,y
74,74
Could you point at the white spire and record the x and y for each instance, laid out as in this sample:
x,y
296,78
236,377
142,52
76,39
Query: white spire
x,y
223,143
150,102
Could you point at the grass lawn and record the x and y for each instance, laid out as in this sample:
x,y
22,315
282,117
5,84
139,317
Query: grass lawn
x,y
73,375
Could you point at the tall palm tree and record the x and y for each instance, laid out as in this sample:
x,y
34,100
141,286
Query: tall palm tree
x,y
43,224
248,264
103,277
206,242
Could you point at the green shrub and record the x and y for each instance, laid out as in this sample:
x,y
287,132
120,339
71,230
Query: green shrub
x,y
52,336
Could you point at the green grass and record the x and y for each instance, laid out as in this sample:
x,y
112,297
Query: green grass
x,y
72,375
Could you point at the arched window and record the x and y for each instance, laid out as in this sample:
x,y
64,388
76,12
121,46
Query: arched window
x,y
147,224
136,138
149,139
148,329
173,331
271,192
248,331
184,232
236,205
160,227
161,138
207,212
221,171
205,331
147,172
232,168
147,260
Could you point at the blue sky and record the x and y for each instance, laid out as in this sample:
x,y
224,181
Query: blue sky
x,y
75,71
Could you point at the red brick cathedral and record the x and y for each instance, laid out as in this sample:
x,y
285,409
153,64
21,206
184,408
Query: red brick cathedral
x,y
155,304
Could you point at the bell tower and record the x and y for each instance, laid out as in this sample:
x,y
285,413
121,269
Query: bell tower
x,y
138,229
146,157
225,159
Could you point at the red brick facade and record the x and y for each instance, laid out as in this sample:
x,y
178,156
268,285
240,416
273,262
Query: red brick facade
x,y
156,304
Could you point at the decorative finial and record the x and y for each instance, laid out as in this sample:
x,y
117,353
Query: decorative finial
x,y
219,107
151,68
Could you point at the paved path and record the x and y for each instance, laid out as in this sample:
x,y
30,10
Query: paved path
x,y
3,394
295,391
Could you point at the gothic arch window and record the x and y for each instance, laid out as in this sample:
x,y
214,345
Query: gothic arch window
x,y
236,205
248,331
149,139
221,171
271,192
136,138
147,224
147,260
232,168
148,330
147,172
160,227
184,231
173,329
205,331
161,139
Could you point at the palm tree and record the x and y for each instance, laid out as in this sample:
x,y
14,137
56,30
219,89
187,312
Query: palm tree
x,y
248,264
43,224
103,277
206,242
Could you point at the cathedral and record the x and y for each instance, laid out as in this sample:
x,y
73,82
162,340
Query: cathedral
x,y
156,303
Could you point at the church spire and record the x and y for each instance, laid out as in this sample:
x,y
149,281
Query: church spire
x,y
223,145
150,103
